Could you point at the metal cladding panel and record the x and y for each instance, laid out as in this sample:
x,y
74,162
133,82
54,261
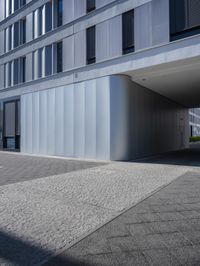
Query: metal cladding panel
x,y
76,120
1,42
115,36
23,124
90,119
143,27
1,77
119,120
109,40
43,122
68,53
160,22
29,67
29,27
29,124
69,121
103,118
79,119
68,11
59,122
36,117
51,122
80,48
102,43
2,9
79,8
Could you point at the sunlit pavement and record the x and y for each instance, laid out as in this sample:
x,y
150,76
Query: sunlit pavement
x,y
44,216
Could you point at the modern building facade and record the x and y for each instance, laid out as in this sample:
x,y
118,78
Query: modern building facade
x,y
101,79
194,115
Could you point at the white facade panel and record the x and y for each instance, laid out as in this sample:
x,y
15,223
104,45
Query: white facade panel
x,y
29,27
80,48
35,121
1,76
79,119
69,121
68,11
68,53
160,22
143,27
43,122
59,121
2,9
51,122
79,8
90,119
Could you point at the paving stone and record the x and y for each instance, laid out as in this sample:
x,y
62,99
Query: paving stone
x,y
158,257
131,258
187,255
122,244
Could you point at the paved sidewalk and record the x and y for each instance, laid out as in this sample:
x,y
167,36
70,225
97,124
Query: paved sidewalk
x,y
15,167
162,230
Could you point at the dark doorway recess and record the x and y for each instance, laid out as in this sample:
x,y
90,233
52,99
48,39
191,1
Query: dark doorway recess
x,y
11,125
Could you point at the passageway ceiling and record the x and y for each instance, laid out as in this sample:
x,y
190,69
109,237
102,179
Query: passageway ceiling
x,y
179,81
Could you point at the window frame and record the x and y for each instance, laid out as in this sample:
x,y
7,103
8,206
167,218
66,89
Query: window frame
x,y
130,48
92,59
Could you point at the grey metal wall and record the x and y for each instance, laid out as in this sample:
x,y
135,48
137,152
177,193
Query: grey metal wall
x,y
75,120
107,118
157,124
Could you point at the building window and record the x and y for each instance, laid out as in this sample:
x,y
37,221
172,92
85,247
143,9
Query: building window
x,y
22,65
184,18
22,31
90,5
48,16
59,13
59,56
128,32
91,43
48,60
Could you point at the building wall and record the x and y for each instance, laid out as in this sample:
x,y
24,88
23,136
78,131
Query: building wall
x,y
108,118
157,124
194,119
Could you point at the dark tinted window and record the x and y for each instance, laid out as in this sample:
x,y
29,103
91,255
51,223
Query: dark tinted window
x,y
91,57
16,34
48,16
90,5
184,18
128,32
22,31
59,57
60,13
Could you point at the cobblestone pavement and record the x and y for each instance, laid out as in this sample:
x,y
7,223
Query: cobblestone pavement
x,y
162,230
41,217
16,167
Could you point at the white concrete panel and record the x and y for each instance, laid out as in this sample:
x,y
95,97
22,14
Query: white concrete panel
x,y
29,27
115,36
68,11
43,122
29,65
160,22
143,26
68,53
36,119
119,118
2,34
90,119
79,119
2,9
59,121
80,48
23,124
1,76
51,122
79,8
103,118
29,123
69,121
102,41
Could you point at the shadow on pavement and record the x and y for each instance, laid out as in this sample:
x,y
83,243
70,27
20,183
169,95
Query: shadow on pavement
x,y
187,157
16,251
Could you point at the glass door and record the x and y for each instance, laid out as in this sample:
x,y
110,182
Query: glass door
x,y
11,125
